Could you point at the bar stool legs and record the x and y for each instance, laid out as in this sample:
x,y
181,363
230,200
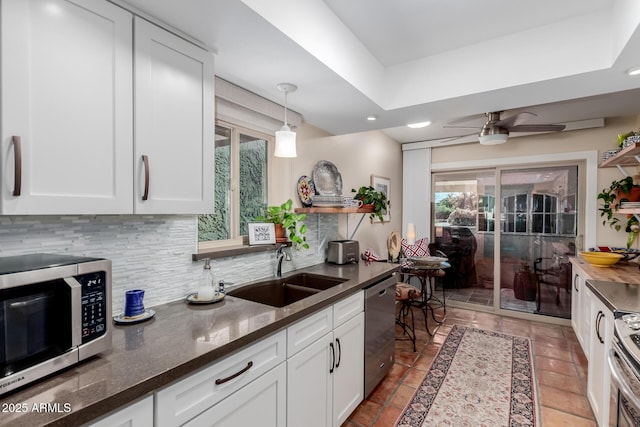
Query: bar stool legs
x,y
408,329
407,295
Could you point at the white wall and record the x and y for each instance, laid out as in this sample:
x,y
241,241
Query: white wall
x,y
357,157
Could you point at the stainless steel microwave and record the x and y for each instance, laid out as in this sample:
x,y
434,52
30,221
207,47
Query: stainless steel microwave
x,y
54,312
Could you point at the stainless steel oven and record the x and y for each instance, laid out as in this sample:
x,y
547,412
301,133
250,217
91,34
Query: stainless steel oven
x,y
624,365
54,312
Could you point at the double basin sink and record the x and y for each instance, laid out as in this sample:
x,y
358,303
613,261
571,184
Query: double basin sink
x,y
282,291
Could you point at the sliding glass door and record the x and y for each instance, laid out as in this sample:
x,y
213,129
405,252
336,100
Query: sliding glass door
x,y
464,226
508,234
538,226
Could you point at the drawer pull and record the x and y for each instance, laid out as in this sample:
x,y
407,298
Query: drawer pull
x,y
237,374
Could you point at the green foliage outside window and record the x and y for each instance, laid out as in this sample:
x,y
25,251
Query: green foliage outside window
x,y
253,189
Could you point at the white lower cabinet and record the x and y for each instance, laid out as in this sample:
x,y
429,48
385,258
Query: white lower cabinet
x,y
241,376
599,377
139,414
581,310
325,379
348,375
309,385
262,402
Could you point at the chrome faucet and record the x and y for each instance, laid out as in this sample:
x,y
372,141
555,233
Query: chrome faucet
x,y
281,254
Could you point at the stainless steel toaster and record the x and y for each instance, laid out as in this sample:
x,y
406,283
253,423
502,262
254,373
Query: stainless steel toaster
x,y
343,251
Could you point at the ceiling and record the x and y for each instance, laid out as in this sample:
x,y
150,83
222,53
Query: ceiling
x,y
432,60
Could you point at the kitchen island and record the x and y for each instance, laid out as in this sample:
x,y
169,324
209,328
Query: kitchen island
x,y
178,341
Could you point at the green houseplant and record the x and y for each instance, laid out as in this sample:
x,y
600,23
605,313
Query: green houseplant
x,y
370,196
620,190
284,217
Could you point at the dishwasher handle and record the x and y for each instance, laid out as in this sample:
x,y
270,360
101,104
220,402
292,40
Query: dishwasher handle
x,y
380,288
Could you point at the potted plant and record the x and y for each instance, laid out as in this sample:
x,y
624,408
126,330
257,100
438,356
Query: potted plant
x,y
620,190
370,196
622,137
286,221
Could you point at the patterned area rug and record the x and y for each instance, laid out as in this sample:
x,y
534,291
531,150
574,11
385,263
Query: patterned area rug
x,y
478,378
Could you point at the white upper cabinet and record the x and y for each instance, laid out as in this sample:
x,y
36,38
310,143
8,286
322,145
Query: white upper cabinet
x,y
67,110
174,123
74,79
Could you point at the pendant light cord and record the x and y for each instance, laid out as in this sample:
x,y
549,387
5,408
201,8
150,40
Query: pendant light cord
x,y
285,109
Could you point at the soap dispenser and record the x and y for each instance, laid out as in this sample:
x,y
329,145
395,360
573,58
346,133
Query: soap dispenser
x,y
206,285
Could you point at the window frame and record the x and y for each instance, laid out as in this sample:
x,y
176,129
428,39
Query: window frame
x,y
238,240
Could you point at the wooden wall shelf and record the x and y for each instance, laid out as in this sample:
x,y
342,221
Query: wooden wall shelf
x,y
625,157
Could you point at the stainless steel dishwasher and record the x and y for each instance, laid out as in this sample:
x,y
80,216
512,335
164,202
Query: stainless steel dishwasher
x,y
379,331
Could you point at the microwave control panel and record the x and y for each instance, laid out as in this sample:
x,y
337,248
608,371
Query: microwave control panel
x,y
94,305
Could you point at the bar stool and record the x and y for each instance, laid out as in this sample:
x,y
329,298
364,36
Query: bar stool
x,y
406,295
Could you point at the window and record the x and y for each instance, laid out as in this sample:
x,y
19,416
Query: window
x,y
241,185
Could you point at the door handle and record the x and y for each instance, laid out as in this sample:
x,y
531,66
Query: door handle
x,y
333,358
339,352
145,162
575,283
599,317
17,160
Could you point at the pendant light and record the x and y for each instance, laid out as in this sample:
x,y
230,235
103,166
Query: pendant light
x,y
285,138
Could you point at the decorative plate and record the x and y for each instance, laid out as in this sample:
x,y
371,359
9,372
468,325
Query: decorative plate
x,y
193,298
121,319
327,179
306,190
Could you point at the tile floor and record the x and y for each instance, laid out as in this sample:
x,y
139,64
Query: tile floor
x,y
560,368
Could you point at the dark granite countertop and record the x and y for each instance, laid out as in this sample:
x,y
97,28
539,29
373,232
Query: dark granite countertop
x,y
180,339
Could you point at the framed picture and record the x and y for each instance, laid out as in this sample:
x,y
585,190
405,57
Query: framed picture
x,y
262,233
383,185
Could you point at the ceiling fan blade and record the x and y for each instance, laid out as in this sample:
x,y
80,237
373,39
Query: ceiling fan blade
x,y
476,117
516,120
461,127
537,128
457,137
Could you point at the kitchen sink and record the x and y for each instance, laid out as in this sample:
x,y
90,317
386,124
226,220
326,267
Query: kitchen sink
x,y
275,293
314,281
283,291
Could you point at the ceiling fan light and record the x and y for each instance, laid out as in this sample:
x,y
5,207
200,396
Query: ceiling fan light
x,y
419,125
285,143
493,139
634,71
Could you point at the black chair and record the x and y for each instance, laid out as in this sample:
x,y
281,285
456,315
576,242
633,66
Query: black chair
x,y
553,273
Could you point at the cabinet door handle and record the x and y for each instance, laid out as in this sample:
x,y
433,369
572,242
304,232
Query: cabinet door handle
x,y
145,162
237,374
333,358
17,160
339,352
599,317
575,283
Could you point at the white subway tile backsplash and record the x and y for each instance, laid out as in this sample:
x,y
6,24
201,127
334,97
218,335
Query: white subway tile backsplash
x,y
151,252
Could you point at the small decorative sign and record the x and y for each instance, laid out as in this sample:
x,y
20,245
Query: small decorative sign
x,y
262,233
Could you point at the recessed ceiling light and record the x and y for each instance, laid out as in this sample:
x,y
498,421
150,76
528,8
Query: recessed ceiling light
x,y
372,117
418,125
634,71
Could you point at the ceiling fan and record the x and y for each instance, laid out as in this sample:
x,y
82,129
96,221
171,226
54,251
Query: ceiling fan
x,y
496,130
